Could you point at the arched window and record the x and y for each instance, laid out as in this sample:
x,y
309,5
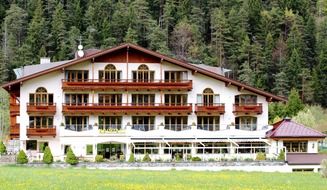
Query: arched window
x,y
208,96
143,74
41,97
109,73
247,123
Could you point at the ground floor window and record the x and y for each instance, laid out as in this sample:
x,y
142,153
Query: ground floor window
x,y
66,149
251,147
296,146
150,148
212,148
77,123
246,123
42,146
209,123
31,145
178,148
110,151
89,149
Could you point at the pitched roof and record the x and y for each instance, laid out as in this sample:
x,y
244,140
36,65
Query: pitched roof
x,y
305,158
189,66
290,129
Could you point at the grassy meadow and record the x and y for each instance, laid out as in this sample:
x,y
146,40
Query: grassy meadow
x,y
12,177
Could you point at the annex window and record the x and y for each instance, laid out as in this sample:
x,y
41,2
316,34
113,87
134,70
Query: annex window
x,y
176,123
143,74
31,145
110,99
76,75
212,148
246,123
41,97
143,99
246,99
251,147
143,123
209,123
76,99
175,99
146,147
175,76
109,73
41,122
296,146
110,122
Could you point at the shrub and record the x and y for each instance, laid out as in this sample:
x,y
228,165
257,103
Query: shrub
x,y
260,156
324,168
281,155
3,149
196,159
21,157
131,157
146,158
99,158
47,156
70,157
178,158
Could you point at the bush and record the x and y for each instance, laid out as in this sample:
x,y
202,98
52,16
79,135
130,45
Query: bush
x,y
196,159
324,168
21,157
131,157
260,156
47,156
146,158
281,155
178,158
99,158
3,149
70,157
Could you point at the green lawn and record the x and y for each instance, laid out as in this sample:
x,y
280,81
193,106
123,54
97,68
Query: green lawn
x,y
47,178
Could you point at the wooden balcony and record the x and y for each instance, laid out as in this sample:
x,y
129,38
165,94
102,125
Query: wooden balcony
x,y
125,85
41,108
127,109
209,109
14,109
14,131
41,132
247,108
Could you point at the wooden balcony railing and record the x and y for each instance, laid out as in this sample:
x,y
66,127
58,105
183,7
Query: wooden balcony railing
x,y
248,108
126,84
127,108
14,109
41,108
210,109
50,131
14,131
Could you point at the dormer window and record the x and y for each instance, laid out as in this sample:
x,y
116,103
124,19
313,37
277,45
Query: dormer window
x,y
41,97
110,73
207,98
246,99
143,74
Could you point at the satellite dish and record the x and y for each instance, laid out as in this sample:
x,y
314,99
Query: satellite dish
x,y
80,53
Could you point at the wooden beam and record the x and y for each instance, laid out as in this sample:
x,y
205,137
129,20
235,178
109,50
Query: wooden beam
x,y
227,84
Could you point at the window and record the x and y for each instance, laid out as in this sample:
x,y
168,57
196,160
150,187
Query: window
x,y
246,123
42,146
143,99
212,148
296,146
251,147
76,75
76,99
77,123
247,99
176,123
175,76
41,122
31,145
208,98
209,123
150,148
143,74
143,123
89,149
109,74
110,99
110,122
41,97
175,99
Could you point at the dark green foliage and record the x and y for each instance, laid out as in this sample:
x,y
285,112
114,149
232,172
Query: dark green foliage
x,y
178,158
21,157
47,156
99,158
294,104
281,155
131,157
260,156
71,158
146,158
3,149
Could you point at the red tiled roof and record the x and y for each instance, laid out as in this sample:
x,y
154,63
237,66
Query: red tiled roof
x,y
305,158
290,129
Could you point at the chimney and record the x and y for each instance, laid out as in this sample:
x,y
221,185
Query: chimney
x,y
45,60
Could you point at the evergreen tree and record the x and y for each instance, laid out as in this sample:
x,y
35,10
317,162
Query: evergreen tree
x,y
47,156
21,157
245,71
157,40
294,104
70,157
3,149
120,21
131,36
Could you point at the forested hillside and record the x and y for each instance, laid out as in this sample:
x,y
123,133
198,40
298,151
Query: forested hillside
x,y
274,45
